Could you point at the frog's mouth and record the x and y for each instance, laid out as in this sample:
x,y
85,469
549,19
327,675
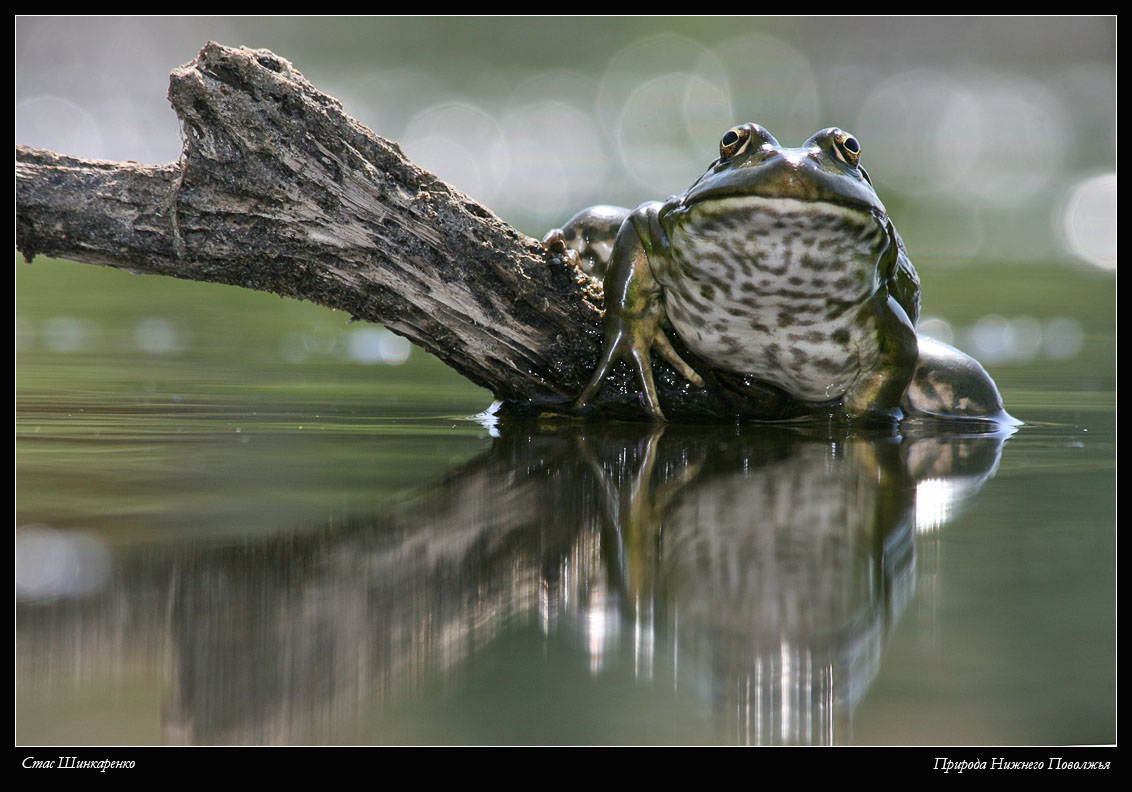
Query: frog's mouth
x,y
786,178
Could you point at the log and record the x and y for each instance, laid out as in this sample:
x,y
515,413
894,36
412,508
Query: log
x,y
278,189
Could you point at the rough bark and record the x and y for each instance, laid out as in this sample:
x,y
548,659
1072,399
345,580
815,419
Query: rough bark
x,y
278,189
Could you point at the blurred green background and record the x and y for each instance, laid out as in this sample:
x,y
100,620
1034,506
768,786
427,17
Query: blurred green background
x,y
991,140
988,137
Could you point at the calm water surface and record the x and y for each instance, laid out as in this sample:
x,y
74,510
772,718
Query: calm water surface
x,y
241,521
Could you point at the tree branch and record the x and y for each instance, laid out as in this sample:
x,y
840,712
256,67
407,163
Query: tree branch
x,y
277,189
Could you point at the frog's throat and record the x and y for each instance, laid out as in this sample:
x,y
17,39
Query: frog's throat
x,y
773,288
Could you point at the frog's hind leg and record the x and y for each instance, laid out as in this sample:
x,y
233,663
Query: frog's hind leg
x,y
951,384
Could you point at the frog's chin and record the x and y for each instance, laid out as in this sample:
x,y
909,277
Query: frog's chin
x,y
805,212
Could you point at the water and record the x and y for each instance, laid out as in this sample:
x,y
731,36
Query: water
x,y
236,528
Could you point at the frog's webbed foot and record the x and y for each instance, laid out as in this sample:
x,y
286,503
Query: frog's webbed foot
x,y
586,240
555,243
634,342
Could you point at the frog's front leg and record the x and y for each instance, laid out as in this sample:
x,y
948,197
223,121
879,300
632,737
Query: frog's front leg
x,y
635,318
881,385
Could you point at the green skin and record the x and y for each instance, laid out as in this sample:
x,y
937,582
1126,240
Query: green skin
x,y
643,263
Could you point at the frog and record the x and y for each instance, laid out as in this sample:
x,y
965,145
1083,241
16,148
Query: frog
x,y
780,264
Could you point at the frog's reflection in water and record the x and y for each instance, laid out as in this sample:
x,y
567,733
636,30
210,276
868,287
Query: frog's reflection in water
x,y
772,561
760,566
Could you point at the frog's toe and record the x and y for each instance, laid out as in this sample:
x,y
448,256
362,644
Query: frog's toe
x,y
653,409
554,240
649,397
664,347
609,355
555,244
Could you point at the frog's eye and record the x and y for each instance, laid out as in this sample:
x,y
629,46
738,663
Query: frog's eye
x,y
846,148
734,142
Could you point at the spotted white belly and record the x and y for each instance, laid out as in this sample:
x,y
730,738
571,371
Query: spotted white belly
x,y
773,288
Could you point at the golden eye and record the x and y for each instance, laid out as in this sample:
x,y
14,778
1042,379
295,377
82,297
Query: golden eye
x,y
734,142
846,148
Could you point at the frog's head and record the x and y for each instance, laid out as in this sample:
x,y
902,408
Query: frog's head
x,y
826,168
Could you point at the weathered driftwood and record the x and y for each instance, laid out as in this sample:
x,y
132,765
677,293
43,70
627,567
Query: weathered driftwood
x,y
278,189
